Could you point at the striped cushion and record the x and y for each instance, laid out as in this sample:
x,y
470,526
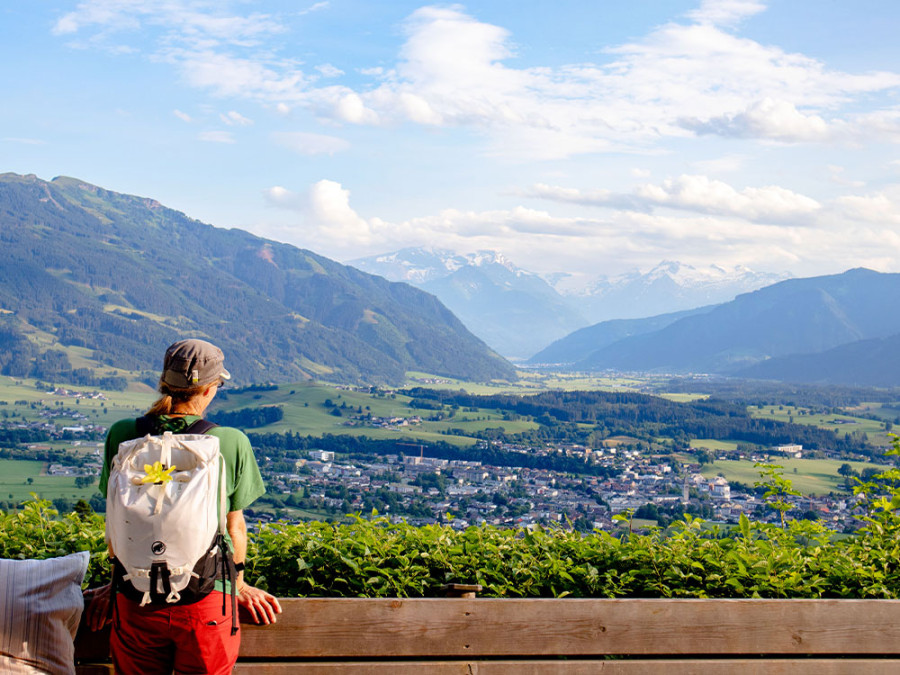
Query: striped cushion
x,y
40,607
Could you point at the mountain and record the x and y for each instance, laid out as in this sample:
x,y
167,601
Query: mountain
x,y
669,287
798,316
514,311
872,363
579,345
114,278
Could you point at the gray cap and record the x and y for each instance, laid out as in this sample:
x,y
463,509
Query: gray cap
x,y
193,363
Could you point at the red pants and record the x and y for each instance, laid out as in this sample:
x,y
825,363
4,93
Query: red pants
x,y
182,639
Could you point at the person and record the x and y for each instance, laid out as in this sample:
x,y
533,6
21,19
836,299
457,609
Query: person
x,y
197,637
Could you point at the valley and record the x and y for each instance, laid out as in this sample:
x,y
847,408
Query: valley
x,y
531,451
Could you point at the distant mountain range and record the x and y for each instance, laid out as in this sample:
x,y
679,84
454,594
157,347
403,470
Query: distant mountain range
x,y
829,329
583,343
669,287
96,281
519,313
514,311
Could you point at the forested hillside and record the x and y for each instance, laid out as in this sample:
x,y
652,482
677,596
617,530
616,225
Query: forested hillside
x,y
123,276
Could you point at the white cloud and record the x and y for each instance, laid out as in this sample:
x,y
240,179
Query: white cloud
x,y
694,193
183,116
180,19
454,70
875,209
283,198
855,230
315,8
726,12
767,119
699,193
235,119
329,207
216,137
235,76
836,174
726,164
310,144
328,70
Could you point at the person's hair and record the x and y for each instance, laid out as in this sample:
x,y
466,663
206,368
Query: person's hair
x,y
171,396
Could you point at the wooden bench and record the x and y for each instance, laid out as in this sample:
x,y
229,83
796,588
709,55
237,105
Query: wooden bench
x,y
482,636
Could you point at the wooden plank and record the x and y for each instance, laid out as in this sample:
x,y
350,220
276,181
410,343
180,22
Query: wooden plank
x,y
587,667
95,669
468,628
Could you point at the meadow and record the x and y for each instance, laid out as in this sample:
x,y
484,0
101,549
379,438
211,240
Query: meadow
x,y
837,422
305,413
20,478
809,476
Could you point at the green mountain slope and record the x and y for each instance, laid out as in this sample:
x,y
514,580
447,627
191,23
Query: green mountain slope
x,y
123,276
798,316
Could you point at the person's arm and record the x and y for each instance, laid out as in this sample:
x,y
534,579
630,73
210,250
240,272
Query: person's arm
x,y
96,610
262,606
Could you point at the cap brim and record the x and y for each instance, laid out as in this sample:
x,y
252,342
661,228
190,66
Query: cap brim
x,y
225,375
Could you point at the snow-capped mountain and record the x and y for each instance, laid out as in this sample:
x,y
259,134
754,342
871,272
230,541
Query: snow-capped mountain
x,y
515,312
671,286
424,264
518,313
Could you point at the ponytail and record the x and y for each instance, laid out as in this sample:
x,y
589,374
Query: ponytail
x,y
170,396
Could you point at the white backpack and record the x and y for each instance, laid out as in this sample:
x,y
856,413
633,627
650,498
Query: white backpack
x,y
165,517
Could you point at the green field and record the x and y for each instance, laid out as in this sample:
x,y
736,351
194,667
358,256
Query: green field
x,y
531,382
118,404
809,476
14,485
712,444
306,414
839,423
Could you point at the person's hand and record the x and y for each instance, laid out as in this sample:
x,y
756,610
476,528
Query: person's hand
x,y
97,609
262,606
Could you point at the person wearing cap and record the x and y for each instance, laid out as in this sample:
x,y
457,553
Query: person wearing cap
x,y
187,638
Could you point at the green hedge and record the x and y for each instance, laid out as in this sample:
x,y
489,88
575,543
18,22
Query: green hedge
x,y
375,558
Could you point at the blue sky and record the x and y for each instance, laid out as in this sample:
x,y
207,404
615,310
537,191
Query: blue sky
x,y
587,137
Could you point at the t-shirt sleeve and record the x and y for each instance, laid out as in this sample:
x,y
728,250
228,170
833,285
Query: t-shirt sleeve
x,y
247,484
123,430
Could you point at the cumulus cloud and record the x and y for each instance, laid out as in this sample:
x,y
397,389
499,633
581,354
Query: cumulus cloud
x,y
767,119
875,208
692,76
283,198
310,144
691,220
694,193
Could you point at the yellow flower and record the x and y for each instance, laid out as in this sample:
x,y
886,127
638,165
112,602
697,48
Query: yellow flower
x,y
157,474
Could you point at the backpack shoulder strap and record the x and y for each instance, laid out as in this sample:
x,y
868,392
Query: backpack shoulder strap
x,y
149,424
201,426
146,425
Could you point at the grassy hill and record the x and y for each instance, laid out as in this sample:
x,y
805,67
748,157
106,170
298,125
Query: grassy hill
x,y
120,277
